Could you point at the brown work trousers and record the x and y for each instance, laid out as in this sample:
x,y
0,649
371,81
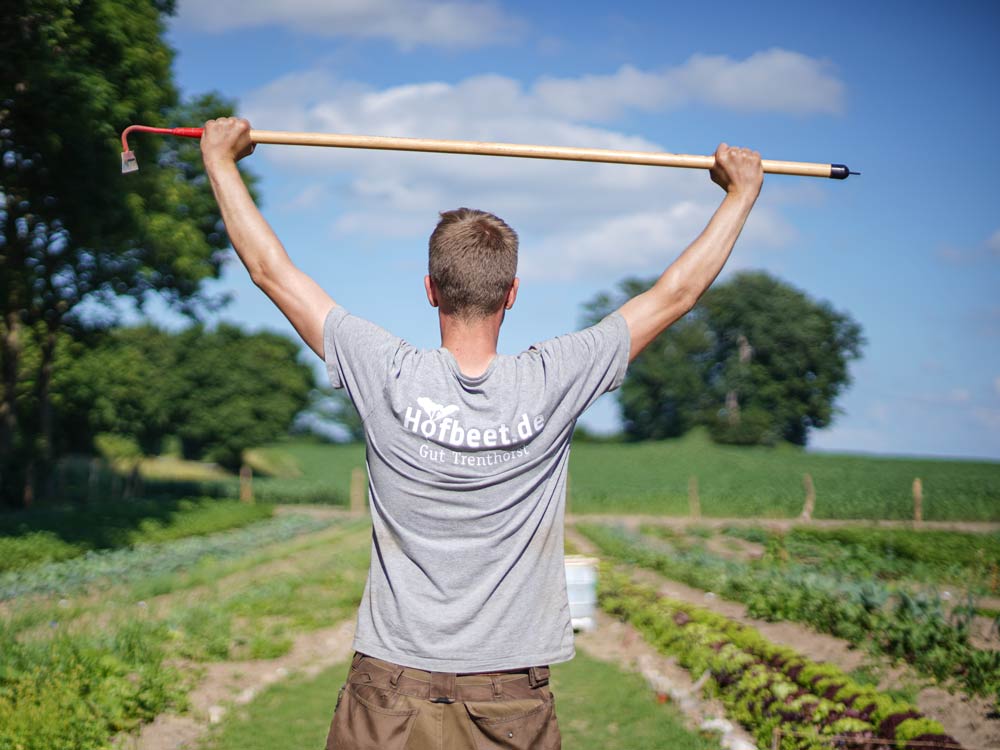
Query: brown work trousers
x,y
384,706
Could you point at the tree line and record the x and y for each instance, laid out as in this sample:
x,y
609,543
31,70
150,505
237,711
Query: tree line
x,y
75,233
211,393
755,362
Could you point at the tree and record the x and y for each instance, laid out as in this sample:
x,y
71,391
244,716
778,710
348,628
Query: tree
x,y
73,74
755,361
237,390
219,391
120,382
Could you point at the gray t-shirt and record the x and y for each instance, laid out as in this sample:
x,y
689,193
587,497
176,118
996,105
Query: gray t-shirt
x,y
467,489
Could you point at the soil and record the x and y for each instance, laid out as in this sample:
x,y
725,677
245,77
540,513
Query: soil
x,y
633,521
228,684
968,719
733,548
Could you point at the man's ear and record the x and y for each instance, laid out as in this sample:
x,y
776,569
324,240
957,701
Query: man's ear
x,y
512,294
431,291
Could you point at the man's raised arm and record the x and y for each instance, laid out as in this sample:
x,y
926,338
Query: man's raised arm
x,y
224,142
738,171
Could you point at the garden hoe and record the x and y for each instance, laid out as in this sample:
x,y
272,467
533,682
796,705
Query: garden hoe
x,y
806,169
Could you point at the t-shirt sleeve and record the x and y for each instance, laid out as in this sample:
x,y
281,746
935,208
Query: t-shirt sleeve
x,y
358,356
584,365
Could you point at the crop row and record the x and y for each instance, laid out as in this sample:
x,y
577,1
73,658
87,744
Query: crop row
x,y
122,565
915,628
764,686
89,673
889,554
37,536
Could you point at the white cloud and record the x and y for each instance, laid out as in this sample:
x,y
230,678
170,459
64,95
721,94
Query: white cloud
x,y
879,413
774,80
988,250
951,397
993,244
989,418
408,23
958,395
575,220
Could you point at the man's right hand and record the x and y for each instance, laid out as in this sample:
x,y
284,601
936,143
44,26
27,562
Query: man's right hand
x,y
738,171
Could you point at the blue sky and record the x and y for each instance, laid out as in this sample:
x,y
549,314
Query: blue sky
x,y
904,92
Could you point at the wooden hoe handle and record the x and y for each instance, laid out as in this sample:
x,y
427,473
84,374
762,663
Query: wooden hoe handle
x,y
566,153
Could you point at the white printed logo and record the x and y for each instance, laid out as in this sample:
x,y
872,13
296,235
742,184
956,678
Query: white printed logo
x,y
435,411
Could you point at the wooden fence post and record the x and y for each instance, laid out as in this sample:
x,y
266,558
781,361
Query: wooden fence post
x,y
810,506
357,490
246,484
776,738
694,502
918,501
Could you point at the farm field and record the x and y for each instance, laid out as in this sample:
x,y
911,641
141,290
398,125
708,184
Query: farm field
x,y
652,478
96,647
159,610
908,645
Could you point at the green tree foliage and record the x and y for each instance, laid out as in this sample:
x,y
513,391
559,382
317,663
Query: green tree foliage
x,y
238,390
755,361
219,391
73,75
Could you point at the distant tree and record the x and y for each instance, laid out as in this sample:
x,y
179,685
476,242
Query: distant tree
x,y
121,381
72,76
755,361
218,391
238,390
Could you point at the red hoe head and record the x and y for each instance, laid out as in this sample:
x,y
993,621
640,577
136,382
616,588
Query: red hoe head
x,y
129,163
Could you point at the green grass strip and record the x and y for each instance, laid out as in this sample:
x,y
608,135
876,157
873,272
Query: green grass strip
x,y
599,707
112,567
33,537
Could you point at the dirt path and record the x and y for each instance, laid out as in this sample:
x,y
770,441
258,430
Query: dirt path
x,y
315,511
229,684
633,521
966,718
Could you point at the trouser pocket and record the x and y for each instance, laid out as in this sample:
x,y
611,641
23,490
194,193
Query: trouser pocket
x,y
515,725
365,720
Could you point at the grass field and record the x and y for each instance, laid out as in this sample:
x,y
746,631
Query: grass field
x,y
732,481
324,471
767,482
599,707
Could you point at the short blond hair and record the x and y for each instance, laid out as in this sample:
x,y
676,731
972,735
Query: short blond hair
x,y
472,262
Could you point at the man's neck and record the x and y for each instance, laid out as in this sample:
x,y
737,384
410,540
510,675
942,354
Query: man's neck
x,y
473,343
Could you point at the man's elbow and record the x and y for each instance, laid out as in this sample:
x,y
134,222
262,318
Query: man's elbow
x,y
678,297
265,274
261,276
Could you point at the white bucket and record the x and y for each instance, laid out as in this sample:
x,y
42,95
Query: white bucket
x,y
581,588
